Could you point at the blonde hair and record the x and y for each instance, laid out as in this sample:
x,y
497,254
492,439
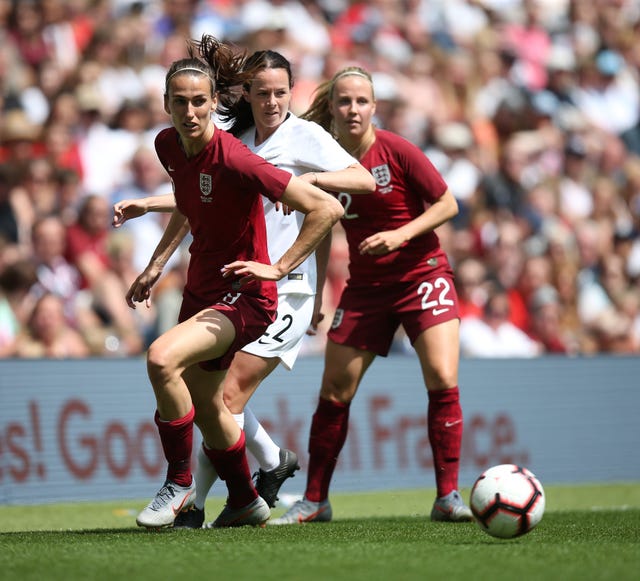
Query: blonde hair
x,y
319,111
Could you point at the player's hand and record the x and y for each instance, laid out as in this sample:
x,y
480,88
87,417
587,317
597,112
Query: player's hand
x,y
140,290
127,210
286,210
249,270
381,243
316,319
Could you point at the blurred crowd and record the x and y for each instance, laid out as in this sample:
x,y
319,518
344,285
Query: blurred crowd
x,y
529,108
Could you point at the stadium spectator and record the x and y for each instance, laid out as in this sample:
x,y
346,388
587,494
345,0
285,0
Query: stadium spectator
x,y
453,156
530,42
609,97
493,334
574,187
147,178
120,250
55,275
16,279
505,255
536,273
86,249
546,322
19,138
471,285
10,230
39,189
49,334
463,66
61,148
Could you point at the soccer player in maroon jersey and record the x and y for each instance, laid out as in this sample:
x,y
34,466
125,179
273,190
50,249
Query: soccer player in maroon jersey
x,y
399,275
230,296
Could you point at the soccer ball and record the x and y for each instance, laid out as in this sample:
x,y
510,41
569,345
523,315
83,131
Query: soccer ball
x,y
507,501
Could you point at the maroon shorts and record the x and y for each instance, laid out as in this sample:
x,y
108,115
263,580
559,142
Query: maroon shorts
x,y
250,315
368,317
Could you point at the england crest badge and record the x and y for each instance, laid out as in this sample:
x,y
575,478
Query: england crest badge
x,y
205,187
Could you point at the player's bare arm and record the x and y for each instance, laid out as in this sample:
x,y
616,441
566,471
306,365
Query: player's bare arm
x,y
176,230
322,260
321,212
442,210
354,179
130,209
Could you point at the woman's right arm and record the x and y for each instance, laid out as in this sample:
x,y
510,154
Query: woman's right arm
x,y
129,209
174,233
354,179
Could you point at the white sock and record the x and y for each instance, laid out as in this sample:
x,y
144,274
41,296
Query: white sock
x,y
259,443
206,474
205,477
239,418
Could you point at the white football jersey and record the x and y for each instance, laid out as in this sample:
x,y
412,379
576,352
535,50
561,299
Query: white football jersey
x,y
299,147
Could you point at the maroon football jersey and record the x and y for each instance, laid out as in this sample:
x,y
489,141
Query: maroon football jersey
x,y
219,191
405,181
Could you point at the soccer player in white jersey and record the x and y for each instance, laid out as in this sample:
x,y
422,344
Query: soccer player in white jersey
x,y
262,120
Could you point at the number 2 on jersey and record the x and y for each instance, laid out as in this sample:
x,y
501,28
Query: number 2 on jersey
x,y
345,200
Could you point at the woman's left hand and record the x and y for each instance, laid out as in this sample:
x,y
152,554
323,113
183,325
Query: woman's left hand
x,y
248,270
382,243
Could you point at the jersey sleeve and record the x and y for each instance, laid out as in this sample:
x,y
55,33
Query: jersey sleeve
x,y
317,150
256,174
421,174
160,146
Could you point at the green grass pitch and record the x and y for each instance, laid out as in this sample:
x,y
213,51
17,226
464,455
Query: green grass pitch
x,y
588,532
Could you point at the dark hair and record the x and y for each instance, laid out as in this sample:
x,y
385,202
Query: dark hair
x,y
240,115
220,63
18,276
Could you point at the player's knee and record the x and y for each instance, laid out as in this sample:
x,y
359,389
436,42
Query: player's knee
x,y
160,361
333,389
442,378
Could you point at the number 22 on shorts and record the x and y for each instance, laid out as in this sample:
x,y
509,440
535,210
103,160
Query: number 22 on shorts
x,y
435,295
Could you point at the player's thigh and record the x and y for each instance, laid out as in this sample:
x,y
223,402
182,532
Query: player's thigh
x,y
366,319
344,367
246,373
206,335
438,350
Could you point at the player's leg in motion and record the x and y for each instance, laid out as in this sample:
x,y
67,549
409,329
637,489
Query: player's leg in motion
x,y
205,477
226,450
276,465
438,353
168,370
178,491
243,505
344,368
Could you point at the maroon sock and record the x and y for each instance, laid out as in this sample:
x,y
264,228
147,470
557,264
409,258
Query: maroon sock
x,y
329,428
232,467
177,442
445,435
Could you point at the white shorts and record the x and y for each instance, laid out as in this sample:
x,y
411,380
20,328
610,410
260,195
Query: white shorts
x,y
283,338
